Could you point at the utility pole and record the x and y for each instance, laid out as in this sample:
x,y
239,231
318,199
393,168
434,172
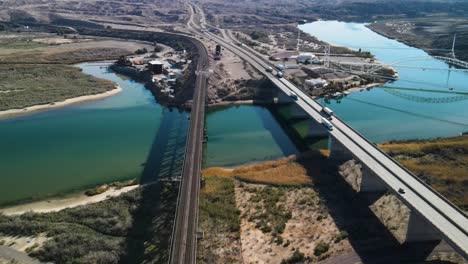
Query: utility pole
x,y
298,37
453,45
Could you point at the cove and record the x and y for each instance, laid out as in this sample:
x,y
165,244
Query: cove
x,y
71,148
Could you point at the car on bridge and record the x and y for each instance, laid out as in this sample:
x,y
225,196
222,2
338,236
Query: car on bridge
x,y
293,95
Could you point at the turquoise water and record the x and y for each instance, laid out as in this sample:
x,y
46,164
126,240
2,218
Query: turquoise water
x,y
393,114
244,134
70,148
125,136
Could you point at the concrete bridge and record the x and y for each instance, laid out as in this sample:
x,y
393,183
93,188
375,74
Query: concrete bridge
x,y
432,216
379,172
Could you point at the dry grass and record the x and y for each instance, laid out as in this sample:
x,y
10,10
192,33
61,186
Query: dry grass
x,y
442,163
287,171
32,73
219,218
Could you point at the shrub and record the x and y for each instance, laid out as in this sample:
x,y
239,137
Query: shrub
x,y
97,190
342,235
141,51
296,257
279,240
321,248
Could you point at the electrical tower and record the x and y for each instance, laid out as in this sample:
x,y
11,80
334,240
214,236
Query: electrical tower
x,y
298,38
327,55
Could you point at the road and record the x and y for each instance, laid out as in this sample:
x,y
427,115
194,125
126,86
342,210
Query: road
x,y
184,239
450,221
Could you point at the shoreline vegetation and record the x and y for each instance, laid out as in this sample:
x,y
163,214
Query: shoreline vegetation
x,y
42,76
11,113
72,200
133,227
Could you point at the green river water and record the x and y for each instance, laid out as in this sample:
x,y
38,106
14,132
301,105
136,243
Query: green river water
x,y
125,136
130,135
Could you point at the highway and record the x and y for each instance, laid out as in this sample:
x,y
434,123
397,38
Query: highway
x,y
184,237
450,221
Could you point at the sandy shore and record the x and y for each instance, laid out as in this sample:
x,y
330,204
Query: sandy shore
x,y
57,204
72,101
239,102
368,86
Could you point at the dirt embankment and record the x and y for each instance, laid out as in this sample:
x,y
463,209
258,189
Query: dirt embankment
x,y
253,214
441,163
233,81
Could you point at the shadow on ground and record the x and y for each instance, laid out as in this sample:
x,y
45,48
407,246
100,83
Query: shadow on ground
x,y
148,239
370,239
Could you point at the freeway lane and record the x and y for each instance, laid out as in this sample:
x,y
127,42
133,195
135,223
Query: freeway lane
x,y
449,220
184,240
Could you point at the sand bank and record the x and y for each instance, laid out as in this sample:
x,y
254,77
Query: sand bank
x,y
72,101
57,204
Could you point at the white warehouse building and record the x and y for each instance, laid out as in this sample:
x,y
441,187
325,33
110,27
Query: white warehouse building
x,y
316,83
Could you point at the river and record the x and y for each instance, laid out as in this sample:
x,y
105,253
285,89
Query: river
x,y
130,135
125,136
384,114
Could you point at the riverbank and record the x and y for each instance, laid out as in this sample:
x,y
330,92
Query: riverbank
x,y
67,102
441,163
292,210
365,87
69,201
239,102
133,227
433,36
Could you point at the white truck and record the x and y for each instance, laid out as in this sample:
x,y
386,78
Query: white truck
x,y
327,111
327,124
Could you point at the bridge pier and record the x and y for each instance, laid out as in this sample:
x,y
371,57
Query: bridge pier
x,y
338,152
419,229
316,129
370,182
358,175
282,97
296,112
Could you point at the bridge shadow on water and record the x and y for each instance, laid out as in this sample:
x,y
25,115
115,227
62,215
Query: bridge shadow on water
x,y
371,240
148,239
287,124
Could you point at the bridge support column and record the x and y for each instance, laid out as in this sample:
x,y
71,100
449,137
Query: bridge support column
x,y
282,97
420,230
316,129
370,182
297,113
338,152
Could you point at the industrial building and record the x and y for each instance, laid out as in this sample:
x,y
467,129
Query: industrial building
x,y
155,66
